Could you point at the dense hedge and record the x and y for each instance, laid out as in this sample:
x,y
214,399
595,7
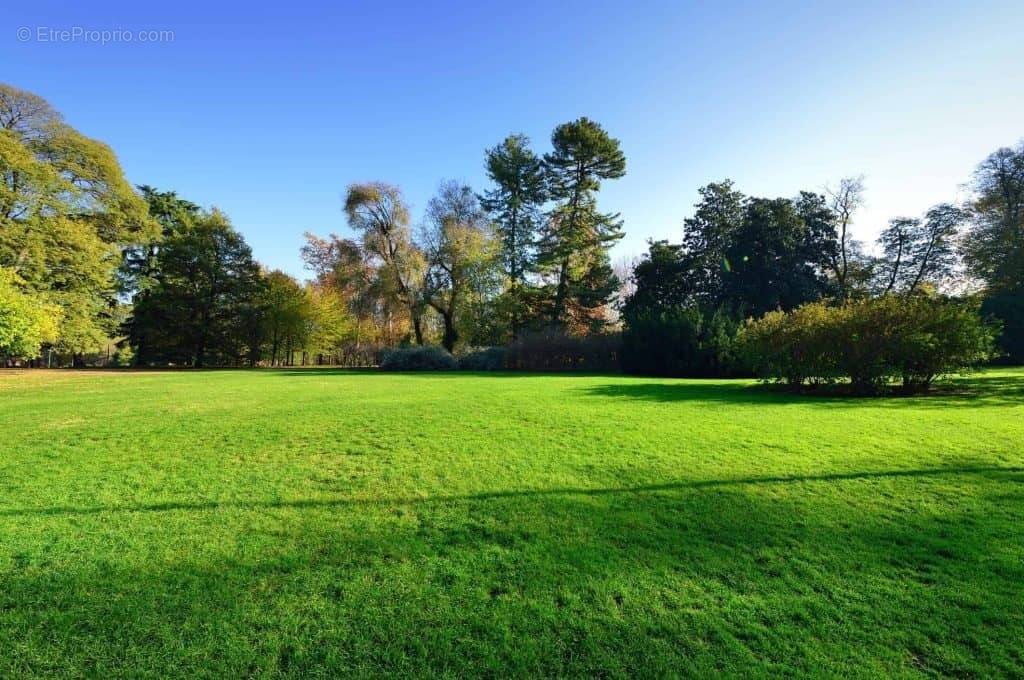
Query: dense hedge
x,y
869,343
418,358
680,342
555,350
484,359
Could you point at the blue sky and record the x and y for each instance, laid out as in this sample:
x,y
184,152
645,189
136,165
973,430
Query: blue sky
x,y
269,112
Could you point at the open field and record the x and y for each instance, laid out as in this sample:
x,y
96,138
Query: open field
x,y
316,522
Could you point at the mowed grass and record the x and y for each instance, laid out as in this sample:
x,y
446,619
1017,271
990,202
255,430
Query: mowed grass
x,y
321,523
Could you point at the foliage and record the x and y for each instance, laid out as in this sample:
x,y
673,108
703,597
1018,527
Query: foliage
x,y
520,190
66,211
706,236
1007,307
207,283
286,316
745,254
772,260
418,358
27,320
553,349
994,247
869,342
994,244
462,258
575,242
378,214
920,252
484,359
680,342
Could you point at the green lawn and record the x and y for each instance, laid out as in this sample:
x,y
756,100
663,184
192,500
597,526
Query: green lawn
x,y
321,523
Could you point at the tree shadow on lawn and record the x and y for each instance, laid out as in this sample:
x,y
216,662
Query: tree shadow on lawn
x,y
316,371
982,391
686,579
989,471
977,390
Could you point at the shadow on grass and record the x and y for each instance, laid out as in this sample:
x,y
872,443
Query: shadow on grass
x,y
315,371
976,390
985,470
984,391
561,582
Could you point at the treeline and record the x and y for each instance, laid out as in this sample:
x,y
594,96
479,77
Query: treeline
x,y
744,258
89,263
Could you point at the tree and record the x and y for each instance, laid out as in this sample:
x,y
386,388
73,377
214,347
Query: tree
x,y
515,206
459,245
661,279
27,320
846,260
771,260
344,269
706,237
994,244
286,312
994,247
918,252
172,214
66,212
205,284
377,212
577,238
331,324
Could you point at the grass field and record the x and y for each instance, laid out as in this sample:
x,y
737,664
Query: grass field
x,y
320,523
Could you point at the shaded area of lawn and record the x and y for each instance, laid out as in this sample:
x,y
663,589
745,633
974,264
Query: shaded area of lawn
x,y
994,472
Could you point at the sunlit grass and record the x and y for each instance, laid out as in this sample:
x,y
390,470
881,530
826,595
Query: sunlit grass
x,y
229,524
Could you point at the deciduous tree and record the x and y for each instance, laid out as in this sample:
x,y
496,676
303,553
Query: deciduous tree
x,y
377,212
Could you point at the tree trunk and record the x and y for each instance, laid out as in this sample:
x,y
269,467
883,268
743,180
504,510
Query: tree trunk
x,y
562,292
417,327
451,335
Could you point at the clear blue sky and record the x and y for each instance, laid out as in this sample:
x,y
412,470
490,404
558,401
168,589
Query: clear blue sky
x,y
268,112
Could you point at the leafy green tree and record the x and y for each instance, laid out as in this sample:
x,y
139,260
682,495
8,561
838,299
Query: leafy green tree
x,y
331,323
706,237
577,238
27,320
994,243
206,284
772,260
462,256
66,213
172,214
994,247
286,314
515,204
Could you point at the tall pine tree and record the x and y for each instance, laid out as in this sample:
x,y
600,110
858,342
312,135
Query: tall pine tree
x,y
577,238
515,205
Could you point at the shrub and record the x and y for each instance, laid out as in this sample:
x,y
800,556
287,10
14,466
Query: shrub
x,y
940,338
793,347
555,350
869,343
485,359
680,342
418,358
